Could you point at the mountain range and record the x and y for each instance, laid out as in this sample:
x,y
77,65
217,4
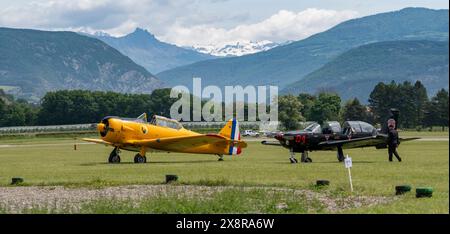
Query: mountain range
x,y
146,50
238,48
33,62
355,72
349,58
288,64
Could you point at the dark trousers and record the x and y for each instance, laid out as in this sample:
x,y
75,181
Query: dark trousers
x,y
392,149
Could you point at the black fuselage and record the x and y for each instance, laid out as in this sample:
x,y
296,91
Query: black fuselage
x,y
302,141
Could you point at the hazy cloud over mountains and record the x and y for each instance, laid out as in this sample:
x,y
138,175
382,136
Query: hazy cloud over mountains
x,y
197,22
182,22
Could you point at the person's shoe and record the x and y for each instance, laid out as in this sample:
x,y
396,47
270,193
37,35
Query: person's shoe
x,y
399,160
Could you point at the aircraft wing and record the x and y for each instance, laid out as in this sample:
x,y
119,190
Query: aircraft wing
x,y
355,143
98,141
186,142
275,143
409,139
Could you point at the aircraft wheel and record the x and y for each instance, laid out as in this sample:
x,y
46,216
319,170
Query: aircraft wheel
x,y
293,160
140,159
114,158
308,160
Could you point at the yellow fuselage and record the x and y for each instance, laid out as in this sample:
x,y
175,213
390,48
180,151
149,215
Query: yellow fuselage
x,y
121,132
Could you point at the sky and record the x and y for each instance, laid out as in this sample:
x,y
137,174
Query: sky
x,y
198,22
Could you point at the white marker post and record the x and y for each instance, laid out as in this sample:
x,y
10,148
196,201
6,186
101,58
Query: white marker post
x,y
348,165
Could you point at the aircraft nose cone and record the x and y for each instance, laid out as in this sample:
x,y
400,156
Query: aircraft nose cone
x,y
101,127
279,136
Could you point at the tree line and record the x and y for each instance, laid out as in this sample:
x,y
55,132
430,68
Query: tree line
x,y
416,109
81,106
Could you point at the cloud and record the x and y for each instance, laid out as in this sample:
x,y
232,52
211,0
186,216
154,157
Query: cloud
x,y
182,22
282,26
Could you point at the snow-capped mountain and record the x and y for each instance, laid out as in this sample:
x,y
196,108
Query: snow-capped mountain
x,y
236,49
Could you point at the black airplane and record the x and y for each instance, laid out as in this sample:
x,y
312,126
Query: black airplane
x,y
330,136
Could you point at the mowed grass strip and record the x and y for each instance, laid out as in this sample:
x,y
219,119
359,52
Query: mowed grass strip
x,y
426,163
230,200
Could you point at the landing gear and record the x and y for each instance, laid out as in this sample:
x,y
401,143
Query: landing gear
x,y
220,157
305,158
292,157
138,158
114,156
340,154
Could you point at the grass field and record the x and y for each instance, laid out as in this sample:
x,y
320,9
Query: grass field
x,y
52,161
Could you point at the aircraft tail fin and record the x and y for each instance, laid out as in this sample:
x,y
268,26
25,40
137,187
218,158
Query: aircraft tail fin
x,y
231,130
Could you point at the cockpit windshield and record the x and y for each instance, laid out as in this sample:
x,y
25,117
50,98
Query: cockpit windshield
x,y
142,117
165,122
358,127
314,127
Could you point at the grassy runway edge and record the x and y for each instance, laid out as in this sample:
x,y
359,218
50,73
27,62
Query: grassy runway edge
x,y
260,167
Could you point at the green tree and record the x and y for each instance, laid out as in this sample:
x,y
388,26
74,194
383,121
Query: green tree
x,y
420,102
16,112
289,112
436,111
326,107
161,102
381,99
308,102
410,100
2,111
406,103
354,110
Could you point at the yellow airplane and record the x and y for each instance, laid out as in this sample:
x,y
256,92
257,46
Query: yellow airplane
x,y
164,134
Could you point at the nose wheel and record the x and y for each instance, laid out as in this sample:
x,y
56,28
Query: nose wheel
x,y
114,156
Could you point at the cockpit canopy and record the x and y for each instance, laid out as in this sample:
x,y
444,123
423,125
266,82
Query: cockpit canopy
x,y
314,128
155,120
331,127
358,127
165,122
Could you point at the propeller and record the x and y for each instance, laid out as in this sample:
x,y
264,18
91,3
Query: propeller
x,y
103,127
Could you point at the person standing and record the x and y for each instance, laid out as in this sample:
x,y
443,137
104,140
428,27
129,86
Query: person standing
x,y
393,143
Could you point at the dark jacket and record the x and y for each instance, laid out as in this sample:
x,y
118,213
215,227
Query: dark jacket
x,y
393,137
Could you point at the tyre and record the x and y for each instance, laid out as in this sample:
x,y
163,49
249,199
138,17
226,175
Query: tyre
x,y
401,189
308,160
114,159
140,159
114,156
424,192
